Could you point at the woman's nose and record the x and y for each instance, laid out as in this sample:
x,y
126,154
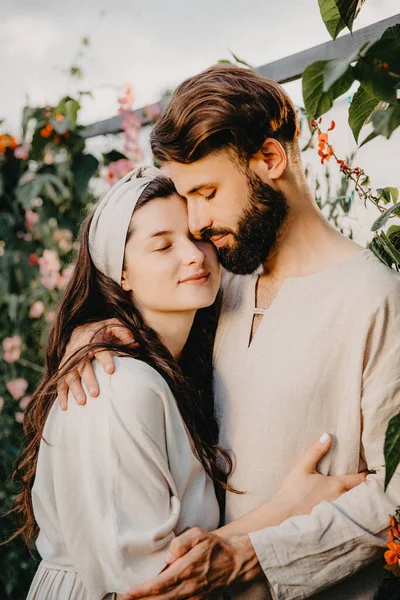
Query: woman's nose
x,y
192,253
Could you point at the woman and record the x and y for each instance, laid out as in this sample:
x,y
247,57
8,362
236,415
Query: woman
x,y
115,481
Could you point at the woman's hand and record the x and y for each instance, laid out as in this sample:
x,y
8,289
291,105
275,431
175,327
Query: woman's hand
x,y
303,488
83,336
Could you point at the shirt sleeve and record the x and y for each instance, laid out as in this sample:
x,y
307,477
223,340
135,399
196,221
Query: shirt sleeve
x,y
306,554
131,523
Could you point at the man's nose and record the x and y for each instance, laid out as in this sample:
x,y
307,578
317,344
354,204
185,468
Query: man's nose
x,y
199,218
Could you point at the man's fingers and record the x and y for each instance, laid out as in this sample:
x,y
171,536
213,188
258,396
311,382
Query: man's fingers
x,y
185,542
354,479
120,332
314,454
162,584
62,395
89,379
106,360
73,381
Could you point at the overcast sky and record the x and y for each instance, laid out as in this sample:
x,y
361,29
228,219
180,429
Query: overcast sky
x,y
153,44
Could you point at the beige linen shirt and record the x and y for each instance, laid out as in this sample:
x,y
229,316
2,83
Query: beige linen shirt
x,y
115,482
325,357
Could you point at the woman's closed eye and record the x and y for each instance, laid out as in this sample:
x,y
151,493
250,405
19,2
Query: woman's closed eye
x,y
164,248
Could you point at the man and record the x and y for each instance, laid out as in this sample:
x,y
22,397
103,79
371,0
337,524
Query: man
x,y
308,344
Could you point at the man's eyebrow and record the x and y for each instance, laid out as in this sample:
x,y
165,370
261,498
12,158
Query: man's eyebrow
x,y
198,187
159,233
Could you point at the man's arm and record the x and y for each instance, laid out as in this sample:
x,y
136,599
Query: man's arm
x,y
307,554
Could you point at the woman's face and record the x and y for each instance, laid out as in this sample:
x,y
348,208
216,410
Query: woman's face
x,y
166,269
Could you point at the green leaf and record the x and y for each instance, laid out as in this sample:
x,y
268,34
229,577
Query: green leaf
x,y
83,167
112,156
384,217
394,192
349,10
377,248
316,101
336,68
386,121
393,234
338,14
379,68
331,17
241,61
384,194
389,248
392,448
361,108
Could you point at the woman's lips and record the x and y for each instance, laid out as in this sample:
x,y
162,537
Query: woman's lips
x,y
196,278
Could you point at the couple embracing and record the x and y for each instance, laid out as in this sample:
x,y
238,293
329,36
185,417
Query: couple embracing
x,y
231,438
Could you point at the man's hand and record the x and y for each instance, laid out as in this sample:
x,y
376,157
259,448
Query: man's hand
x,y
104,331
203,566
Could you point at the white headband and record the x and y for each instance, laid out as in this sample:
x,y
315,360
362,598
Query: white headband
x,y
110,223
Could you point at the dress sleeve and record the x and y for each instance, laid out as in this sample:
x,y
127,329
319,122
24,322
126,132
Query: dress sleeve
x,y
306,554
132,524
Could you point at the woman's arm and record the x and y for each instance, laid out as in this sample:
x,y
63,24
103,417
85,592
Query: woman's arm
x,y
302,489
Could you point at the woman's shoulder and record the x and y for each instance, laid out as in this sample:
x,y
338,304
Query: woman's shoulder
x,y
134,386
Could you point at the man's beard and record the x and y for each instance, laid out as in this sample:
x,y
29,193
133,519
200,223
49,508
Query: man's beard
x,y
257,230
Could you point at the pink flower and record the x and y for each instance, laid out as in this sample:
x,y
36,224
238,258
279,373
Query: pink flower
x,y
24,402
22,152
65,277
17,388
48,158
49,269
2,246
117,169
152,111
31,218
50,316
127,100
12,348
36,310
64,239
37,202
1,403
19,417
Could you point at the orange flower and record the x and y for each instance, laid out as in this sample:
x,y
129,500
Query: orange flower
x,y
56,138
66,135
59,117
322,138
392,555
7,141
46,131
332,126
392,522
391,535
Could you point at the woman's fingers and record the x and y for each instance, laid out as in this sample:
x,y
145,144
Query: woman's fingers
x,y
314,454
352,480
184,542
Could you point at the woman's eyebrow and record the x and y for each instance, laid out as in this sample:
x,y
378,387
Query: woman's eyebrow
x,y
159,233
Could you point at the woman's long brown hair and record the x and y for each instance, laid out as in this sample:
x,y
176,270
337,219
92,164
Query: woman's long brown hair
x,y
91,297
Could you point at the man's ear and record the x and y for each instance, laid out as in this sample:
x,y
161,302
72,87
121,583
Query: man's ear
x,y
270,161
125,281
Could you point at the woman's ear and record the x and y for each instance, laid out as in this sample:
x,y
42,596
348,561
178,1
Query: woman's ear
x,y
125,281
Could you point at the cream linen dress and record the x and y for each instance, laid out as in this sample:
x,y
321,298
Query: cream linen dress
x,y
116,480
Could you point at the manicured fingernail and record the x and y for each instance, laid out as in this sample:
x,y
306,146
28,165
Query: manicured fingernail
x,y
169,558
93,391
324,438
109,368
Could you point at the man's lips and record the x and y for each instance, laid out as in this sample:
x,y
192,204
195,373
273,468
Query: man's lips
x,y
201,277
218,240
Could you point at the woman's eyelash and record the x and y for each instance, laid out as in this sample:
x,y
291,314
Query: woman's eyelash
x,y
211,196
163,249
